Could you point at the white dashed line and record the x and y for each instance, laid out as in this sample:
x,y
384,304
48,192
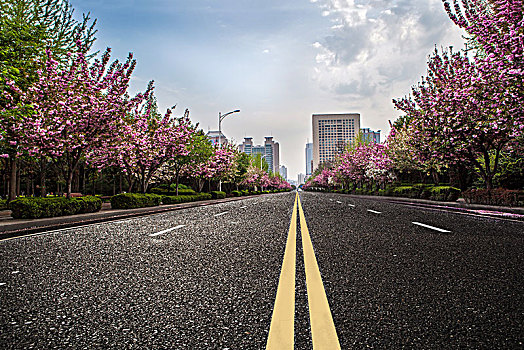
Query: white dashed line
x,y
374,211
2,283
351,205
119,222
222,213
431,227
14,272
244,207
165,231
339,202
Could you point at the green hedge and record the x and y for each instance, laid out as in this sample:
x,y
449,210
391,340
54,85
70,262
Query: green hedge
x,y
3,204
185,199
172,192
135,200
444,193
35,207
236,193
498,196
218,194
245,192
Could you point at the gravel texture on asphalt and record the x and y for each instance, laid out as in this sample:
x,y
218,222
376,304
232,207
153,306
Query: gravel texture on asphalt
x,y
211,284
208,285
392,284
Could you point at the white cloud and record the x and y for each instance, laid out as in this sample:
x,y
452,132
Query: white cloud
x,y
375,44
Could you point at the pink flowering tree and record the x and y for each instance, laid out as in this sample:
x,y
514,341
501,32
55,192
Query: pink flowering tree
x,y
223,161
365,163
462,112
148,141
254,175
75,109
214,163
470,111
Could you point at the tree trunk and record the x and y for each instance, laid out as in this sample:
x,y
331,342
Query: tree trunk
x,y
43,190
69,183
12,178
177,177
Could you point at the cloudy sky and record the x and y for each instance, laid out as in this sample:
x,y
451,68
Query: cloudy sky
x,y
278,61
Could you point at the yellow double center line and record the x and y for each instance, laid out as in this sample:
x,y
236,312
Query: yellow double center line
x,y
281,331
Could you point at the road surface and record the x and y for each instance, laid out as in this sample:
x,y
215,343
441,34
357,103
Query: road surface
x,y
393,276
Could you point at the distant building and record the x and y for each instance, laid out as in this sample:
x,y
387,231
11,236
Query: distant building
x,y
309,158
215,135
331,134
283,171
370,135
270,151
301,178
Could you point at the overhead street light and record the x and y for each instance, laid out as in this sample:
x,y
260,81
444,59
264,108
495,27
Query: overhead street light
x,y
220,118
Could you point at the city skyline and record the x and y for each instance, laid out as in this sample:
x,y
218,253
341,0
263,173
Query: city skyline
x,y
278,62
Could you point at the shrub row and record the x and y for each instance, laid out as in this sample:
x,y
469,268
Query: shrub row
x,y
497,196
135,200
185,199
3,204
172,192
218,194
36,207
418,191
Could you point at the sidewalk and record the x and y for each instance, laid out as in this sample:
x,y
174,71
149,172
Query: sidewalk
x,y
10,227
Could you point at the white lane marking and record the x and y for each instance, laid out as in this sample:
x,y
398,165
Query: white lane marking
x,y
165,231
431,227
119,222
222,213
374,211
244,207
330,200
47,232
14,272
339,202
2,283
351,205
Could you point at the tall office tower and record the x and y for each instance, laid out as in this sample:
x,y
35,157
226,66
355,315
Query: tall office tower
x,y
309,158
270,151
301,178
331,134
283,171
370,136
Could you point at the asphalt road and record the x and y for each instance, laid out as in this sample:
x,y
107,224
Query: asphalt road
x,y
206,278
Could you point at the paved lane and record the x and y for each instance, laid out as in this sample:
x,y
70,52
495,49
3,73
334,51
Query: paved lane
x,y
394,276
208,284
394,284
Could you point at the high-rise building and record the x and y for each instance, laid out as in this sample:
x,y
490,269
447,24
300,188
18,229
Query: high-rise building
x,y
301,178
270,151
214,137
309,158
283,171
331,134
370,136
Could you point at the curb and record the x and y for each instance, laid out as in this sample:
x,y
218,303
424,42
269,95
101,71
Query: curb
x,y
34,226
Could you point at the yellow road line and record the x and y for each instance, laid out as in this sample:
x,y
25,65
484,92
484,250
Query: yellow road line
x,y
323,332
282,329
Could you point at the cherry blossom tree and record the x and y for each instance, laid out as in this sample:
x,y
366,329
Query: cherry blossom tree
x,y
76,109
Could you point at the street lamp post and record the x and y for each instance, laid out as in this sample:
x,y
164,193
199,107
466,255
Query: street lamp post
x,y
220,118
